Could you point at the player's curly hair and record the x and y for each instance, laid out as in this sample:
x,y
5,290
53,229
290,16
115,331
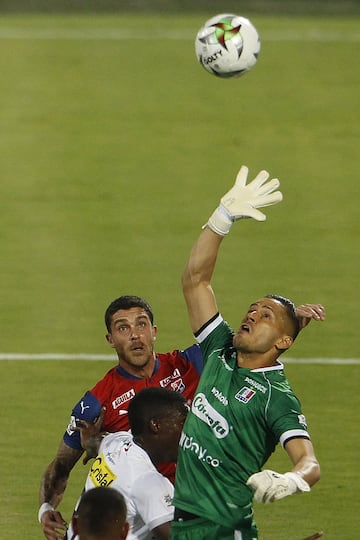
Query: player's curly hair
x,y
127,302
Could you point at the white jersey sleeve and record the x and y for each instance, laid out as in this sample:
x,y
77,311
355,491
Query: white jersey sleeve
x,y
153,497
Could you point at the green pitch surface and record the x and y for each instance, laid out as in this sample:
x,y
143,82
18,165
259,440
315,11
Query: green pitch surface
x,y
115,146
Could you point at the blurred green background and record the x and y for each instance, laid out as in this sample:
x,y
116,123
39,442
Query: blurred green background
x,y
115,148
278,7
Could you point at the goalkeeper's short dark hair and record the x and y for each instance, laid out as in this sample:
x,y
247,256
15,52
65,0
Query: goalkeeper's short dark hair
x,y
290,310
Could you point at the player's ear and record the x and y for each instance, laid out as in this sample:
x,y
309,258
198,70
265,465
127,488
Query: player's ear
x,y
124,531
154,425
284,343
110,340
154,331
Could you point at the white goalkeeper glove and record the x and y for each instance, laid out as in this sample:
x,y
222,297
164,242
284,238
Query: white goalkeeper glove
x,y
243,200
271,486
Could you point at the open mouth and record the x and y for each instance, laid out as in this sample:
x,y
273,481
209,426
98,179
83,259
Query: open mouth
x,y
245,328
137,348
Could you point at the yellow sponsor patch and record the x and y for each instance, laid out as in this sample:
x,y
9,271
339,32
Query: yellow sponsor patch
x,y
100,473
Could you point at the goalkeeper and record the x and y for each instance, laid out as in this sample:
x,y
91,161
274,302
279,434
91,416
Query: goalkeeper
x,y
244,404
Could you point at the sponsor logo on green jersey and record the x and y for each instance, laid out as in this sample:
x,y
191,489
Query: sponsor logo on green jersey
x,y
220,396
189,444
206,412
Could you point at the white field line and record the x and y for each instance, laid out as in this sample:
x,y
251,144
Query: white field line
x,y
57,356
112,358
121,34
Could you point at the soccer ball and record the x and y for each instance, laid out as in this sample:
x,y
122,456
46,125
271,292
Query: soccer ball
x,y
227,45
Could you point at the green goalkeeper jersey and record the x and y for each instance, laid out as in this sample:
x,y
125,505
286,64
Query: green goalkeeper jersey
x,y
237,417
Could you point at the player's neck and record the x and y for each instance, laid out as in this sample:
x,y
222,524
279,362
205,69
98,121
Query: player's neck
x,y
143,372
256,360
147,445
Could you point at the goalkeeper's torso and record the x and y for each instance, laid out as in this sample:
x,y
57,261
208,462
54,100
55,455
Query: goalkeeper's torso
x,y
236,419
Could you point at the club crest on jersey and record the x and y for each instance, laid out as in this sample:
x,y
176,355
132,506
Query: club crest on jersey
x,y
245,394
175,375
71,426
302,420
168,500
178,386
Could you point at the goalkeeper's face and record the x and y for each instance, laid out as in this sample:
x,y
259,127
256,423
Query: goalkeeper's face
x,y
132,336
264,328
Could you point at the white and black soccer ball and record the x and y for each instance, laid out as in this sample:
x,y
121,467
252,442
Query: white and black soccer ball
x,y
227,45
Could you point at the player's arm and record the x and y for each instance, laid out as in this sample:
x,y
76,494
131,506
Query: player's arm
x,y
198,293
52,487
270,486
243,200
162,532
315,536
91,435
152,495
56,475
305,464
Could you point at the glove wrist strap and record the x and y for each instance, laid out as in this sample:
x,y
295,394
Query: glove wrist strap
x,y
296,483
220,221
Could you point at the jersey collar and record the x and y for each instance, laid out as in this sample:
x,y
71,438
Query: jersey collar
x,y
279,366
123,373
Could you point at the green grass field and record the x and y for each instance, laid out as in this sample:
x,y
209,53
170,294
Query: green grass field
x,y
114,149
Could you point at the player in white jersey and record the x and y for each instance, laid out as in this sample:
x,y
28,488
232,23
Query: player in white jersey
x,y
127,461
126,467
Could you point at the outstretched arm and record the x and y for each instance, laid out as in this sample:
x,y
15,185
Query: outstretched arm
x,y
198,292
243,200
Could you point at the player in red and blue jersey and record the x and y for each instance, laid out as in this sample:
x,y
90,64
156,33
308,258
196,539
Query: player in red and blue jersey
x,y
132,333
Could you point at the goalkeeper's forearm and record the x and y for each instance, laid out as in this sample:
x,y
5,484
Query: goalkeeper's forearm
x,y
202,260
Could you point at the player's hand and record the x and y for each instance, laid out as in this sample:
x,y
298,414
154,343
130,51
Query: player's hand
x,y
53,525
315,536
243,201
306,312
271,486
91,435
